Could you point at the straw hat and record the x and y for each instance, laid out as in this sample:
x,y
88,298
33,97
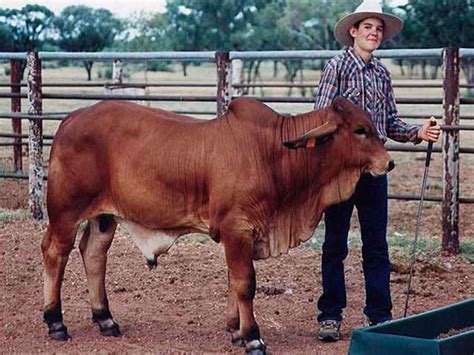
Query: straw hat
x,y
369,8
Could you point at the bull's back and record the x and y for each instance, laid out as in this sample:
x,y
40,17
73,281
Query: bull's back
x,y
126,159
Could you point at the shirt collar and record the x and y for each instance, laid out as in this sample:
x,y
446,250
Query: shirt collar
x,y
361,64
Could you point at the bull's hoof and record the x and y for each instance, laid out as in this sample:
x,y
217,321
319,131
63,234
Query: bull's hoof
x,y
106,324
113,331
58,331
108,328
256,347
237,340
256,352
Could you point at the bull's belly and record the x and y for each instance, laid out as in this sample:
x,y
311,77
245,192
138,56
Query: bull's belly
x,y
154,242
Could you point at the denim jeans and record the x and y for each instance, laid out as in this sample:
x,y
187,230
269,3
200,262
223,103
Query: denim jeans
x,y
370,199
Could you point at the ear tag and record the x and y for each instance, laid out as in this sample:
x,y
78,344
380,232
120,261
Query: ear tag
x,y
311,143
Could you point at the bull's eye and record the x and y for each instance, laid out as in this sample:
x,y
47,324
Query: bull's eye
x,y
360,131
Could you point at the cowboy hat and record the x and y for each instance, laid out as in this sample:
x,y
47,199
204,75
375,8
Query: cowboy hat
x,y
369,8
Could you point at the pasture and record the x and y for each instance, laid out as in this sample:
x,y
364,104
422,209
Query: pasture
x,y
180,306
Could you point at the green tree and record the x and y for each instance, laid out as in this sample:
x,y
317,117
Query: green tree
x,y
84,29
209,25
7,43
26,29
441,23
145,31
299,24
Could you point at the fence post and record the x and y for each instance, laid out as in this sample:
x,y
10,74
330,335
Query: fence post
x,y
15,80
450,207
35,140
117,71
223,94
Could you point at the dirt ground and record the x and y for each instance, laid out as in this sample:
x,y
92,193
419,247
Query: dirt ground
x,y
180,306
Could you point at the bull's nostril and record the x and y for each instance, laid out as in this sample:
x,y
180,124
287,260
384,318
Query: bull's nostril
x,y
391,165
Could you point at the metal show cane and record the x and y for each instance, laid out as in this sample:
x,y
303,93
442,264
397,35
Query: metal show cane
x,y
418,217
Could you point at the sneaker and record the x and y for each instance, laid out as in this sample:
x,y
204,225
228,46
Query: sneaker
x,y
329,330
370,323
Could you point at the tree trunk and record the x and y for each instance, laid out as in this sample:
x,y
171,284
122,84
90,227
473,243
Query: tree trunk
x,y
467,66
434,72
249,78
88,65
411,68
290,74
400,64
22,69
302,89
184,65
256,75
423,69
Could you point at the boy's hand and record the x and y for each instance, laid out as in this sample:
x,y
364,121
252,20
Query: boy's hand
x,y
429,133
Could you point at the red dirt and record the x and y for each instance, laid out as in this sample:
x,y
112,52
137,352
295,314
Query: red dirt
x,y
180,306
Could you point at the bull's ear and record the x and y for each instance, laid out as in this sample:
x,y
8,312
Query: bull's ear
x,y
339,104
312,137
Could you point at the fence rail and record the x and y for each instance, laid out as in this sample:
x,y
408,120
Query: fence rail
x,y
226,89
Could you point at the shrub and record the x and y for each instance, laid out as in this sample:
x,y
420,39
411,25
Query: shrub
x,y
159,65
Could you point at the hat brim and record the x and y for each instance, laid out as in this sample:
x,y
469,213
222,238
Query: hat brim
x,y
393,25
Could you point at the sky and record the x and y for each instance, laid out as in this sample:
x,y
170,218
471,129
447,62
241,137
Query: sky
x,y
122,8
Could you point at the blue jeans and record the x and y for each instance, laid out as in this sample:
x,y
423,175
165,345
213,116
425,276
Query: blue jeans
x,y
370,198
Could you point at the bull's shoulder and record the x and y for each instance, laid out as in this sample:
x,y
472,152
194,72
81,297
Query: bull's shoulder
x,y
250,109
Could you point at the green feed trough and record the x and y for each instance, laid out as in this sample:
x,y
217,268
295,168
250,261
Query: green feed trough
x,y
443,331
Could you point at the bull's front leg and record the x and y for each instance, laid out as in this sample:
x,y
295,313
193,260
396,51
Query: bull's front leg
x,y
238,252
94,245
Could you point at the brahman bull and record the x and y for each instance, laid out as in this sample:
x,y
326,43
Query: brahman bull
x,y
162,175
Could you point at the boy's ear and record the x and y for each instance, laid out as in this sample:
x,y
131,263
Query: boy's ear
x,y
353,31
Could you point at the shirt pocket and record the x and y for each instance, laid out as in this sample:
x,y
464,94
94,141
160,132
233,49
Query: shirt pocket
x,y
352,94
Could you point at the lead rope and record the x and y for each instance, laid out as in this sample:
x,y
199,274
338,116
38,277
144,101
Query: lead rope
x,y
418,218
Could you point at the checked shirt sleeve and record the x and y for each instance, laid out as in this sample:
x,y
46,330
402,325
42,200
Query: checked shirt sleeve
x,y
328,87
397,129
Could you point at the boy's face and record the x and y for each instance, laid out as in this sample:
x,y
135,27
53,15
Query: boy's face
x,y
368,35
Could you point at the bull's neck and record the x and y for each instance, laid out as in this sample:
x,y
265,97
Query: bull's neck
x,y
313,177
301,160
299,168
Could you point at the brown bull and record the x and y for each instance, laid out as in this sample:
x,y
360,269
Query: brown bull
x,y
162,175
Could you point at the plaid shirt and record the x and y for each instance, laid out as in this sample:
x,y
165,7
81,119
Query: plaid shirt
x,y
368,85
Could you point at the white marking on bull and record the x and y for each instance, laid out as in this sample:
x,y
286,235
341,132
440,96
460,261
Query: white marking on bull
x,y
151,242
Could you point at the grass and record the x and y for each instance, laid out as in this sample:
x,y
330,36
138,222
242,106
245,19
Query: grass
x,y
14,215
400,243
467,250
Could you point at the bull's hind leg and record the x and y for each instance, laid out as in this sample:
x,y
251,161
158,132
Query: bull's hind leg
x,y
94,245
239,252
56,247
232,317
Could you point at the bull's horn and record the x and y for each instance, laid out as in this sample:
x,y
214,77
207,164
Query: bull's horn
x,y
310,138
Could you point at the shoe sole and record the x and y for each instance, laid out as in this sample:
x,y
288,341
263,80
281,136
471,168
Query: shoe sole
x,y
328,338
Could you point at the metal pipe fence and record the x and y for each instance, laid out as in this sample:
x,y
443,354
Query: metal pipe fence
x,y
212,85
226,89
